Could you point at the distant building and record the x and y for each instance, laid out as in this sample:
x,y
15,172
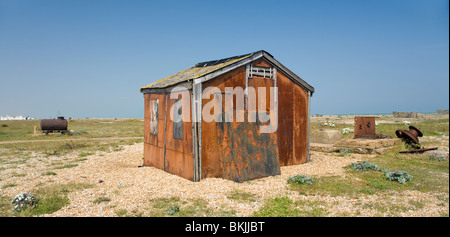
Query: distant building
x,y
405,114
12,117
442,111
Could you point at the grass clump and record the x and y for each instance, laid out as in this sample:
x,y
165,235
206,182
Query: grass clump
x,y
277,207
9,185
45,200
49,173
85,154
53,198
241,196
121,212
185,208
364,166
345,152
331,185
66,166
285,207
172,210
300,179
400,176
101,199
435,157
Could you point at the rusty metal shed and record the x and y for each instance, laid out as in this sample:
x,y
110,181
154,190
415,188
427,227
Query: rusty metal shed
x,y
194,148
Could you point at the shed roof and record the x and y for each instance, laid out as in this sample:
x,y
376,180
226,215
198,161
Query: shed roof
x,y
211,69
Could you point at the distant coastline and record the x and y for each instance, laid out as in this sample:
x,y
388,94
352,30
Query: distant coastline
x,y
353,114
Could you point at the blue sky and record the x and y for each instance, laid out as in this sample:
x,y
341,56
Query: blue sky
x,y
88,58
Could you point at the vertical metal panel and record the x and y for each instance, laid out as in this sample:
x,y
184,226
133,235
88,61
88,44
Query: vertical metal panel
x,y
292,111
300,125
285,131
308,158
196,123
246,153
194,135
154,143
199,116
179,150
165,129
146,117
275,85
247,74
212,153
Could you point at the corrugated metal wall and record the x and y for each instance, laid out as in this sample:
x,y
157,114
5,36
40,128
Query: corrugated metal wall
x,y
154,144
292,132
292,122
177,156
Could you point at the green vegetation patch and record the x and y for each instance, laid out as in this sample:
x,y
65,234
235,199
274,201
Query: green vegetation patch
x,y
101,199
300,179
185,208
48,173
365,166
9,185
241,196
66,166
83,128
333,186
47,200
285,207
84,154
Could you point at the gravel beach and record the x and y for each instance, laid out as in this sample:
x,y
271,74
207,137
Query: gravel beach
x,y
118,178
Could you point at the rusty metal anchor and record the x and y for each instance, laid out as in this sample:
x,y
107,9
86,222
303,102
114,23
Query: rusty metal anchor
x,y
410,137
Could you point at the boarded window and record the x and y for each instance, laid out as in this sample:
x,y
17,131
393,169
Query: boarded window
x,y
177,121
154,105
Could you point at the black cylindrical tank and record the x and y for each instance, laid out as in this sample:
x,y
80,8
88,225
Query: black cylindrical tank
x,y
54,124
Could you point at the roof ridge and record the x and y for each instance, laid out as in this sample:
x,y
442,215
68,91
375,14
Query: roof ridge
x,y
224,60
217,61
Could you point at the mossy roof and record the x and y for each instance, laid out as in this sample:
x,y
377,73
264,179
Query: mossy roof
x,y
199,70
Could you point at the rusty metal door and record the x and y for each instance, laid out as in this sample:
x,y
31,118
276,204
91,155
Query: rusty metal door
x,y
245,152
